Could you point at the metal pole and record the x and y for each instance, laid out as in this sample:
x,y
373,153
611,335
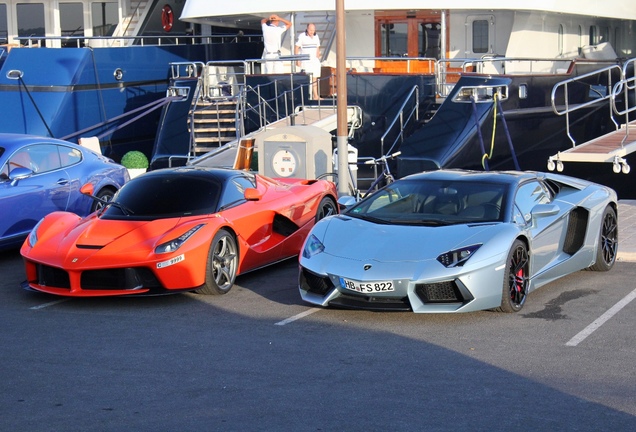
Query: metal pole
x,y
341,102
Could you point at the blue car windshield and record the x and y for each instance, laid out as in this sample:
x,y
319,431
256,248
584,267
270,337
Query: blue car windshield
x,y
433,202
151,197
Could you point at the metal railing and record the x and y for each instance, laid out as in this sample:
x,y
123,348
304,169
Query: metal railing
x,y
604,94
403,118
625,88
145,40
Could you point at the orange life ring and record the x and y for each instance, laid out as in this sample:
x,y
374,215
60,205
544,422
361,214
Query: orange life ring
x,y
167,18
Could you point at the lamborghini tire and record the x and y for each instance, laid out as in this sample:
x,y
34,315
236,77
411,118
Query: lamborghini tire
x,y
516,278
222,264
608,242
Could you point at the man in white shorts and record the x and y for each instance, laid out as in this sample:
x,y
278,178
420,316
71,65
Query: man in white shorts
x,y
272,38
308,43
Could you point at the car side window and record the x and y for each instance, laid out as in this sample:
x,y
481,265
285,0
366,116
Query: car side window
x,y
22,159
234,192
69,156
528,195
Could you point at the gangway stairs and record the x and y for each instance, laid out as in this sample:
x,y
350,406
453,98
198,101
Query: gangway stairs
x,y
237,154
612,147
609,148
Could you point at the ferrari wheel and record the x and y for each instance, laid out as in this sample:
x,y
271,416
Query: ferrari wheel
x,y
222,264
515,286
607,242
105,194
326,208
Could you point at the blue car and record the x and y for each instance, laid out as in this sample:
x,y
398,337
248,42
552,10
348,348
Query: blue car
x,y
40,175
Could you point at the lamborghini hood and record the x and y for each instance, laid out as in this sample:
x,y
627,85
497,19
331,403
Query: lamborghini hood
x,y
357,239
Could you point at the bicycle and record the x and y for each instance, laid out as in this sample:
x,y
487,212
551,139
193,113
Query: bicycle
x,y
385,175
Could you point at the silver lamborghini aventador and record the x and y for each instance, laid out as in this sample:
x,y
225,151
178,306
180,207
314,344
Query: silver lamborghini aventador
x,y
459,241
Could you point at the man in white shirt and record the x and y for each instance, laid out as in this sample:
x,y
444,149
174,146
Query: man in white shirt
x,y
272,38
309,44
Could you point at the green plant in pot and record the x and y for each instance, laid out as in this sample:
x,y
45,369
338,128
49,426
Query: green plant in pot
x,y
136,162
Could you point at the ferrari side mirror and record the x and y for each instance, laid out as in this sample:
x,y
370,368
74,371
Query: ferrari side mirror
x,y
252,194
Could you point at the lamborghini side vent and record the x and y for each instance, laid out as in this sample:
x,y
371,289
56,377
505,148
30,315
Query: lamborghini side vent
x,y
577,227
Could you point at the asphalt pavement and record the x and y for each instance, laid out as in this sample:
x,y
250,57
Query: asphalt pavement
x,y
627,230
259,359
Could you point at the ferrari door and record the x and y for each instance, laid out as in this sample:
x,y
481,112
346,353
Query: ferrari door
x,y
254,222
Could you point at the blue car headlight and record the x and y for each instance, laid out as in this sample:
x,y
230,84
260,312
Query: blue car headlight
x,y
313,246
457,257
174,244
33,235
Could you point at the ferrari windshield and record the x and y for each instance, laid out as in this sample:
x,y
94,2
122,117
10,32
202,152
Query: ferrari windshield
x,y
163,196
433,202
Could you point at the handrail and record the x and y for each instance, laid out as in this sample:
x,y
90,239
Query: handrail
x,y
400,116
165,39
129,17
624,86
568,109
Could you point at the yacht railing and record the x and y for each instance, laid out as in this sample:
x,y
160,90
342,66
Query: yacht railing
x,y
408,111
604,93
120,41
627,89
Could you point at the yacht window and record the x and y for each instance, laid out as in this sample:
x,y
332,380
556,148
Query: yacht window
x,y
561,33
429,40
71,21
30,19
480,36
594,37
4,34
394,39
105,17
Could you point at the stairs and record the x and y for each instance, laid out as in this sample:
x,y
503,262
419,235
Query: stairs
x,y
213,124
136,15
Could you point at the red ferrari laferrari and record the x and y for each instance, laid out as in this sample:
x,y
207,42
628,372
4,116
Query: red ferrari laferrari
x,y
176,229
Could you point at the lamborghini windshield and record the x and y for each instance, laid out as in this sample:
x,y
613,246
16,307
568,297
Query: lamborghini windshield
x,y
162,196
433,202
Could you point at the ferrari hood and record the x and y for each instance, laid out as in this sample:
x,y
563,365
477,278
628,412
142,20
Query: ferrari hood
x,y
101,232
358,239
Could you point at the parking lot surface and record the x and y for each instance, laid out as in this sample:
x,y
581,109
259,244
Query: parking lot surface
x,y
259,358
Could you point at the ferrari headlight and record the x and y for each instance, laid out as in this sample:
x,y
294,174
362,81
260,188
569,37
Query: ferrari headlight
x,y
33,235
313,246
175,244
457,257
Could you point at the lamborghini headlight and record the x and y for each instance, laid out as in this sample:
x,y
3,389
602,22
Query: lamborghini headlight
x,y
33,235
457,257
173,245
313,246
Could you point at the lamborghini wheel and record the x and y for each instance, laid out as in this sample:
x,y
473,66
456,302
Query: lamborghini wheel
x,y
222,264
516,276
326,208
608,242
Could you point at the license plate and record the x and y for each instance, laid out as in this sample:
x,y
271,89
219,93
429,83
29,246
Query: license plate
x,y
367,287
